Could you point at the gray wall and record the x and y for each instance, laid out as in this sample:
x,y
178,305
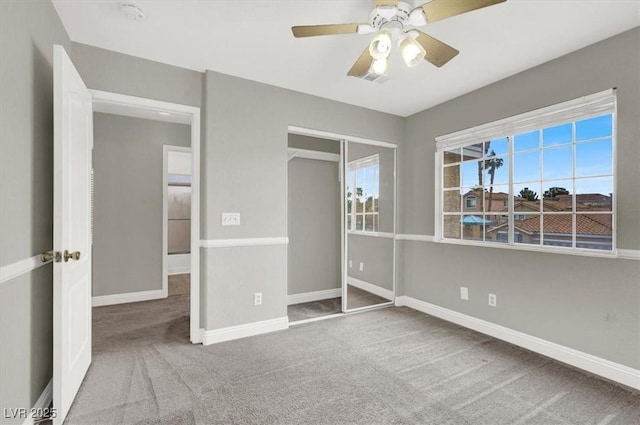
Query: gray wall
x,y
314,143
377,255
314,249
28,31
106,70
127,163
246,143
588,304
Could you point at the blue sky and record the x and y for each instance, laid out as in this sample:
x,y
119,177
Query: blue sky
x,y
593,158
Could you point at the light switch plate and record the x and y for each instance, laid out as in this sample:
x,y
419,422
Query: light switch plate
x,y
230,219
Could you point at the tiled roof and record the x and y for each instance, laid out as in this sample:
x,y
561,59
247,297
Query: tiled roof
x,y
594,224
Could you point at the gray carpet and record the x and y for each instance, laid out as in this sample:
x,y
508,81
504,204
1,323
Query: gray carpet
x,y
387,366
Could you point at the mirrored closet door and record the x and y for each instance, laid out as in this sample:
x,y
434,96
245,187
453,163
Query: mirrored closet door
x,y
369,196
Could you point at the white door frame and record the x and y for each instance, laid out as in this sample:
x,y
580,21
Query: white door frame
x,y
138,107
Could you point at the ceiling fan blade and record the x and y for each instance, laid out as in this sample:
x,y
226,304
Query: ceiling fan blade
x,y
386,3
362,65
438,53
314,30
436,10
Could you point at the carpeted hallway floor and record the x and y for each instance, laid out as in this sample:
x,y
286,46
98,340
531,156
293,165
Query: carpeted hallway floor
x,y
388,366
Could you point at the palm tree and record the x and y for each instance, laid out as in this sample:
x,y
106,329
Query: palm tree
x,y
492,166
528,194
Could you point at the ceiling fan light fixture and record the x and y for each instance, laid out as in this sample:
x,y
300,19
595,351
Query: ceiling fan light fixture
x,y
380,47
411,51
379,67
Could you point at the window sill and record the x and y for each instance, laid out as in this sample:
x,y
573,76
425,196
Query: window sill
x,y
522,247
373,234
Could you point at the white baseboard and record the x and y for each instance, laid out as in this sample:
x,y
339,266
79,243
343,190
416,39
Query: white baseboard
x,y
41,403
307,297
596,365
178,263
242,331
130,297
371,288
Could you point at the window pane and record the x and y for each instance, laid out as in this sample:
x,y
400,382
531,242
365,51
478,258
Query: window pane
x,y
594,159
473,227
360,204
472,200
591,128
496,170
526,141
368,222
376,224
557,163
472,173
526,229
359,222
526,166
452,155
349,224
473,152
594,194
496,200
558,229
557,196
497,231
497,147
558,135
451,226
594,231
527,194
451,176
451,201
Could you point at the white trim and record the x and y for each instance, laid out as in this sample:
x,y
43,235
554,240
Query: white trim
x,y
129,297
310,154
385,235
178,264
242,331
336,136
148,108
307,297
571,110
629,254
599,366
371,288
13,270
43,402
420,238
229,243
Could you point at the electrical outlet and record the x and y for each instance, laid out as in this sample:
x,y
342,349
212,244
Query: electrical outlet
x,y
464,293
230,219
493,300
350,263
257,298
361,267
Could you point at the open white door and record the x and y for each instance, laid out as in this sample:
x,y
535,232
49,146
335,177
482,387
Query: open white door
x,y
72,142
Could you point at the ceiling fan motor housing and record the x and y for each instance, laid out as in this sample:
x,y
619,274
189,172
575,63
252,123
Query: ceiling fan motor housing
x,y
380,18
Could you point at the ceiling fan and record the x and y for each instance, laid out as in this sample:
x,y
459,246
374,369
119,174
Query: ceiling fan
x,y
398,20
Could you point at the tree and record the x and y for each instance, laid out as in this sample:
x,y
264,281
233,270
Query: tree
x,y
528,194
555,191
492,165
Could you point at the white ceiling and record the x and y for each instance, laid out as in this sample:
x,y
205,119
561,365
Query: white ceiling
x,y
253,40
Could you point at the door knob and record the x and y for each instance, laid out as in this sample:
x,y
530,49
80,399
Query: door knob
x,y
71,255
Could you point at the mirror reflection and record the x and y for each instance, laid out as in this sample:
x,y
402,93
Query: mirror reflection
x,y
369,190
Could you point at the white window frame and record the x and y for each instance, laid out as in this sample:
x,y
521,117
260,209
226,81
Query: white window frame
x,y
590,106
354,166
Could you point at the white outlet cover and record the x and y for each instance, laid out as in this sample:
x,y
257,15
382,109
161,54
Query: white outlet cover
x,y
464,293
361,267
350,263
493,300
